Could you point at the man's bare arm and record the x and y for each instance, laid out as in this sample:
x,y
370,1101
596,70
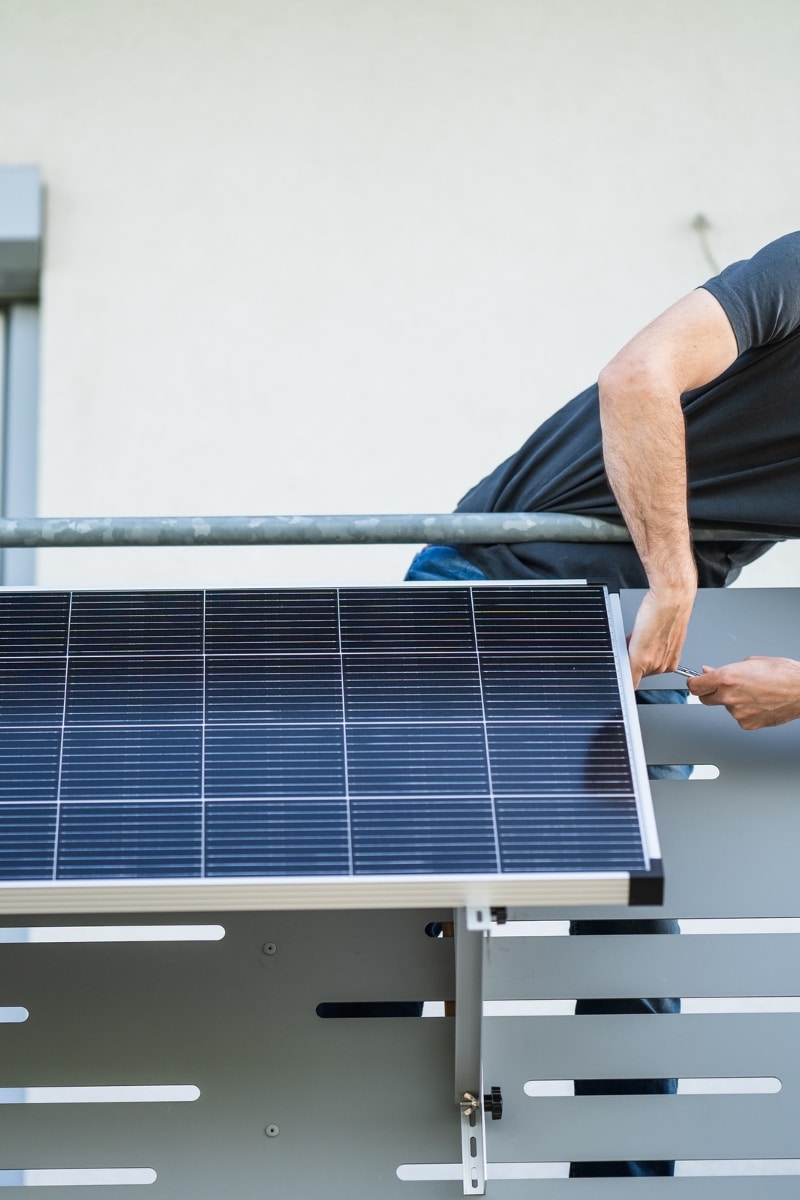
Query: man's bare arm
x,y
758,692
644,448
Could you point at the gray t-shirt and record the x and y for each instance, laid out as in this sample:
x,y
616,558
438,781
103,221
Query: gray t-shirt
x,y
743,447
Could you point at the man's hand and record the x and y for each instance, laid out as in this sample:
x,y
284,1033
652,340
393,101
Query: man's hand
x,y
659,632
758,692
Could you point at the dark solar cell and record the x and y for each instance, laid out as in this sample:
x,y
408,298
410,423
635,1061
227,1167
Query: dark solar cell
x,y
573,834
33,622
29,763
527,687
274,760
405,621
32,691
136,623
583,757
133,841
131,763
277,837
432,687
399,760
427,834
274,622
547,620
27,840
295,687
135,690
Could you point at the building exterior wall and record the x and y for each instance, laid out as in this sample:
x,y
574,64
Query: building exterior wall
x,y
342,255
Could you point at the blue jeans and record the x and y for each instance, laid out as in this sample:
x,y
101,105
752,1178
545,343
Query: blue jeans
x,y
442,563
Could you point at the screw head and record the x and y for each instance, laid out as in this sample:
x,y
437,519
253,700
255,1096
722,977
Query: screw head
x,y
269,948
272,1131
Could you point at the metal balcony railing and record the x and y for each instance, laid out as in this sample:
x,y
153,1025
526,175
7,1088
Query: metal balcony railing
x,y
415,528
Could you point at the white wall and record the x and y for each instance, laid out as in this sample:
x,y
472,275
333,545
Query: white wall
x,y
342,255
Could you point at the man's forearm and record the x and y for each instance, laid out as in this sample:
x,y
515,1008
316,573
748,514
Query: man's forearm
x,y
645,457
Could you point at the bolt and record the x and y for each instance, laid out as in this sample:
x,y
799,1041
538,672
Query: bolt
x,y
269,948
272,1131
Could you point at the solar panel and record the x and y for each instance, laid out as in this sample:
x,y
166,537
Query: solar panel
x,y
392,746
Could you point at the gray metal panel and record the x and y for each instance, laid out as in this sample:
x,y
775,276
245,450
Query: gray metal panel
x,y
640,965
242,1026
607,1189
641,1127
20,231
624,1046
21,433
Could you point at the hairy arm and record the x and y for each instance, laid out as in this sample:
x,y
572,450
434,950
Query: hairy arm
x,y
644,447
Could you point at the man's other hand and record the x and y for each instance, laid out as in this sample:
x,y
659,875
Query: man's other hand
x,y
758,692
659,632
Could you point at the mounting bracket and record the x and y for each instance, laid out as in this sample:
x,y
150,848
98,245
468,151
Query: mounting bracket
x,y
469,939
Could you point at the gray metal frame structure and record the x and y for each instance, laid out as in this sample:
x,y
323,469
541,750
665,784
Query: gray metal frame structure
x,y
294,1105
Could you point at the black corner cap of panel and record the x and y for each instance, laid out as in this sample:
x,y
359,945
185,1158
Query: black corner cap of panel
x,y
647,887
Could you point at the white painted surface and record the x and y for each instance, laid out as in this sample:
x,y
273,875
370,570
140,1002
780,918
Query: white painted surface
x,y
343,255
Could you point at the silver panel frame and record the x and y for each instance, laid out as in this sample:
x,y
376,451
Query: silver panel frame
x,y
651,846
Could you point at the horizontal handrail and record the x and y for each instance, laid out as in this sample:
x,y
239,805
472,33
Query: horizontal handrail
x,y
436,529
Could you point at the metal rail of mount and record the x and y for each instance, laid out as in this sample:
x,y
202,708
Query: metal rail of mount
x,y
433,528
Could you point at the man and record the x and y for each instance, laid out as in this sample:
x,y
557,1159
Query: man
x,y
698,417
